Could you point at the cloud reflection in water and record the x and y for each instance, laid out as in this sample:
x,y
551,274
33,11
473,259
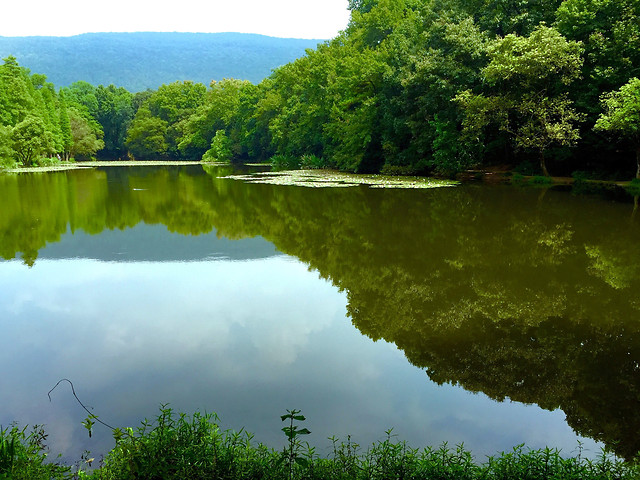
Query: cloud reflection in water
x,y
246,339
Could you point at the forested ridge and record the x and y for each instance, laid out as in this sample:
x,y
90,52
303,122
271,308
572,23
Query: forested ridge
x,y
141,60
410,87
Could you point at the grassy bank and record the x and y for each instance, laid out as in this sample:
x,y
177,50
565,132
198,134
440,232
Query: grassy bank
x,y
178,446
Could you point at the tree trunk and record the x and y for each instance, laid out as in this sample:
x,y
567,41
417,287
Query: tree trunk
x,y
543,165
638,162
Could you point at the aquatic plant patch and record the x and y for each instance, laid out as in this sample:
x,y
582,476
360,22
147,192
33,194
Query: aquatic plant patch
x,y
330,178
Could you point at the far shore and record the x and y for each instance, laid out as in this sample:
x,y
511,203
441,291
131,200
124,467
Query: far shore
x,y
491,175
106,163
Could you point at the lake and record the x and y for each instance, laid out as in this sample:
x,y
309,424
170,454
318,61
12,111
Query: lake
x,y
485,315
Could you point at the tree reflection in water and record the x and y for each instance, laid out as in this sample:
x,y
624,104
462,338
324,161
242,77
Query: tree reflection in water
x,y
498,289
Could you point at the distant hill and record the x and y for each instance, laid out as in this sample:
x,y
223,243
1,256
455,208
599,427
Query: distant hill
x,y
138,61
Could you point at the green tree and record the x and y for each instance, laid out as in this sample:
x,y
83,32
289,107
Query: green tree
x,y
86,137
29,140
528,79
82,96
220,150
438,62
165,114
65,127
218,110
298,104
621,116
7,154
504,17
610,33
114,113
16,99
146,137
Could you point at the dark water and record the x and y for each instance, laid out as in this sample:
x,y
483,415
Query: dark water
x,y
492,316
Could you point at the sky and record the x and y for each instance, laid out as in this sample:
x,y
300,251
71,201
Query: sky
x,y
317,19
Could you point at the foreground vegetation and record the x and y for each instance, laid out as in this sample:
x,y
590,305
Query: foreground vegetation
x,y
410,87
194,447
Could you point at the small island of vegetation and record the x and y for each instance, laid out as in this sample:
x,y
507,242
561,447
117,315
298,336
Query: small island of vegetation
x,y
410,87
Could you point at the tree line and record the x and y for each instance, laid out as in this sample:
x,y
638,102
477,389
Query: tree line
x,y
409,87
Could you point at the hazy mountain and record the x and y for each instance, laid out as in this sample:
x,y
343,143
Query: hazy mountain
x,y
138,61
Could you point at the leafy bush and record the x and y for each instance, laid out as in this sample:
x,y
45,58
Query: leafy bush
x,y
8,163
182,447
541,181
220,150
193,448
580,176
46,162
23,456
398,170
634,187
518,179
285,162
313,162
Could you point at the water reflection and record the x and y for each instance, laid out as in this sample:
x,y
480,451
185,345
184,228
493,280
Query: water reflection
x,y
507,292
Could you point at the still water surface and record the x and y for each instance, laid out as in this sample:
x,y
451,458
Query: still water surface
x,y
492,316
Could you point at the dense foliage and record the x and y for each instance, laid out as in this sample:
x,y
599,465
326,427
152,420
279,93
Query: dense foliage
x,y
193,447
23,456
410,86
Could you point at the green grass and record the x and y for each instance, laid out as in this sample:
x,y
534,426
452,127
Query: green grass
x,y
178,446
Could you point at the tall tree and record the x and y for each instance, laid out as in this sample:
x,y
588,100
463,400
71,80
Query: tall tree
x,y
621,116
87,136
115,112
217,111
528,79
29,140
146,137
166,113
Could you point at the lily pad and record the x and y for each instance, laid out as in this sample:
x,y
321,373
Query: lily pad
x,y
330,178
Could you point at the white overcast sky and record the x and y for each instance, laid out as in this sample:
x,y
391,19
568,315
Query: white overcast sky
x,y
318,19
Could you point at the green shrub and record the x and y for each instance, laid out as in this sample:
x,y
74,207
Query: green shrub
x,y
46,162
541,180
23,456
182,447
398,170
634,187
518,179
313,162
194,448
285,162
220,150
8,163
580,176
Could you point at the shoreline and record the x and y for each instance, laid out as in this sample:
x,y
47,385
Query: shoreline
x,y
488,175
101,163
